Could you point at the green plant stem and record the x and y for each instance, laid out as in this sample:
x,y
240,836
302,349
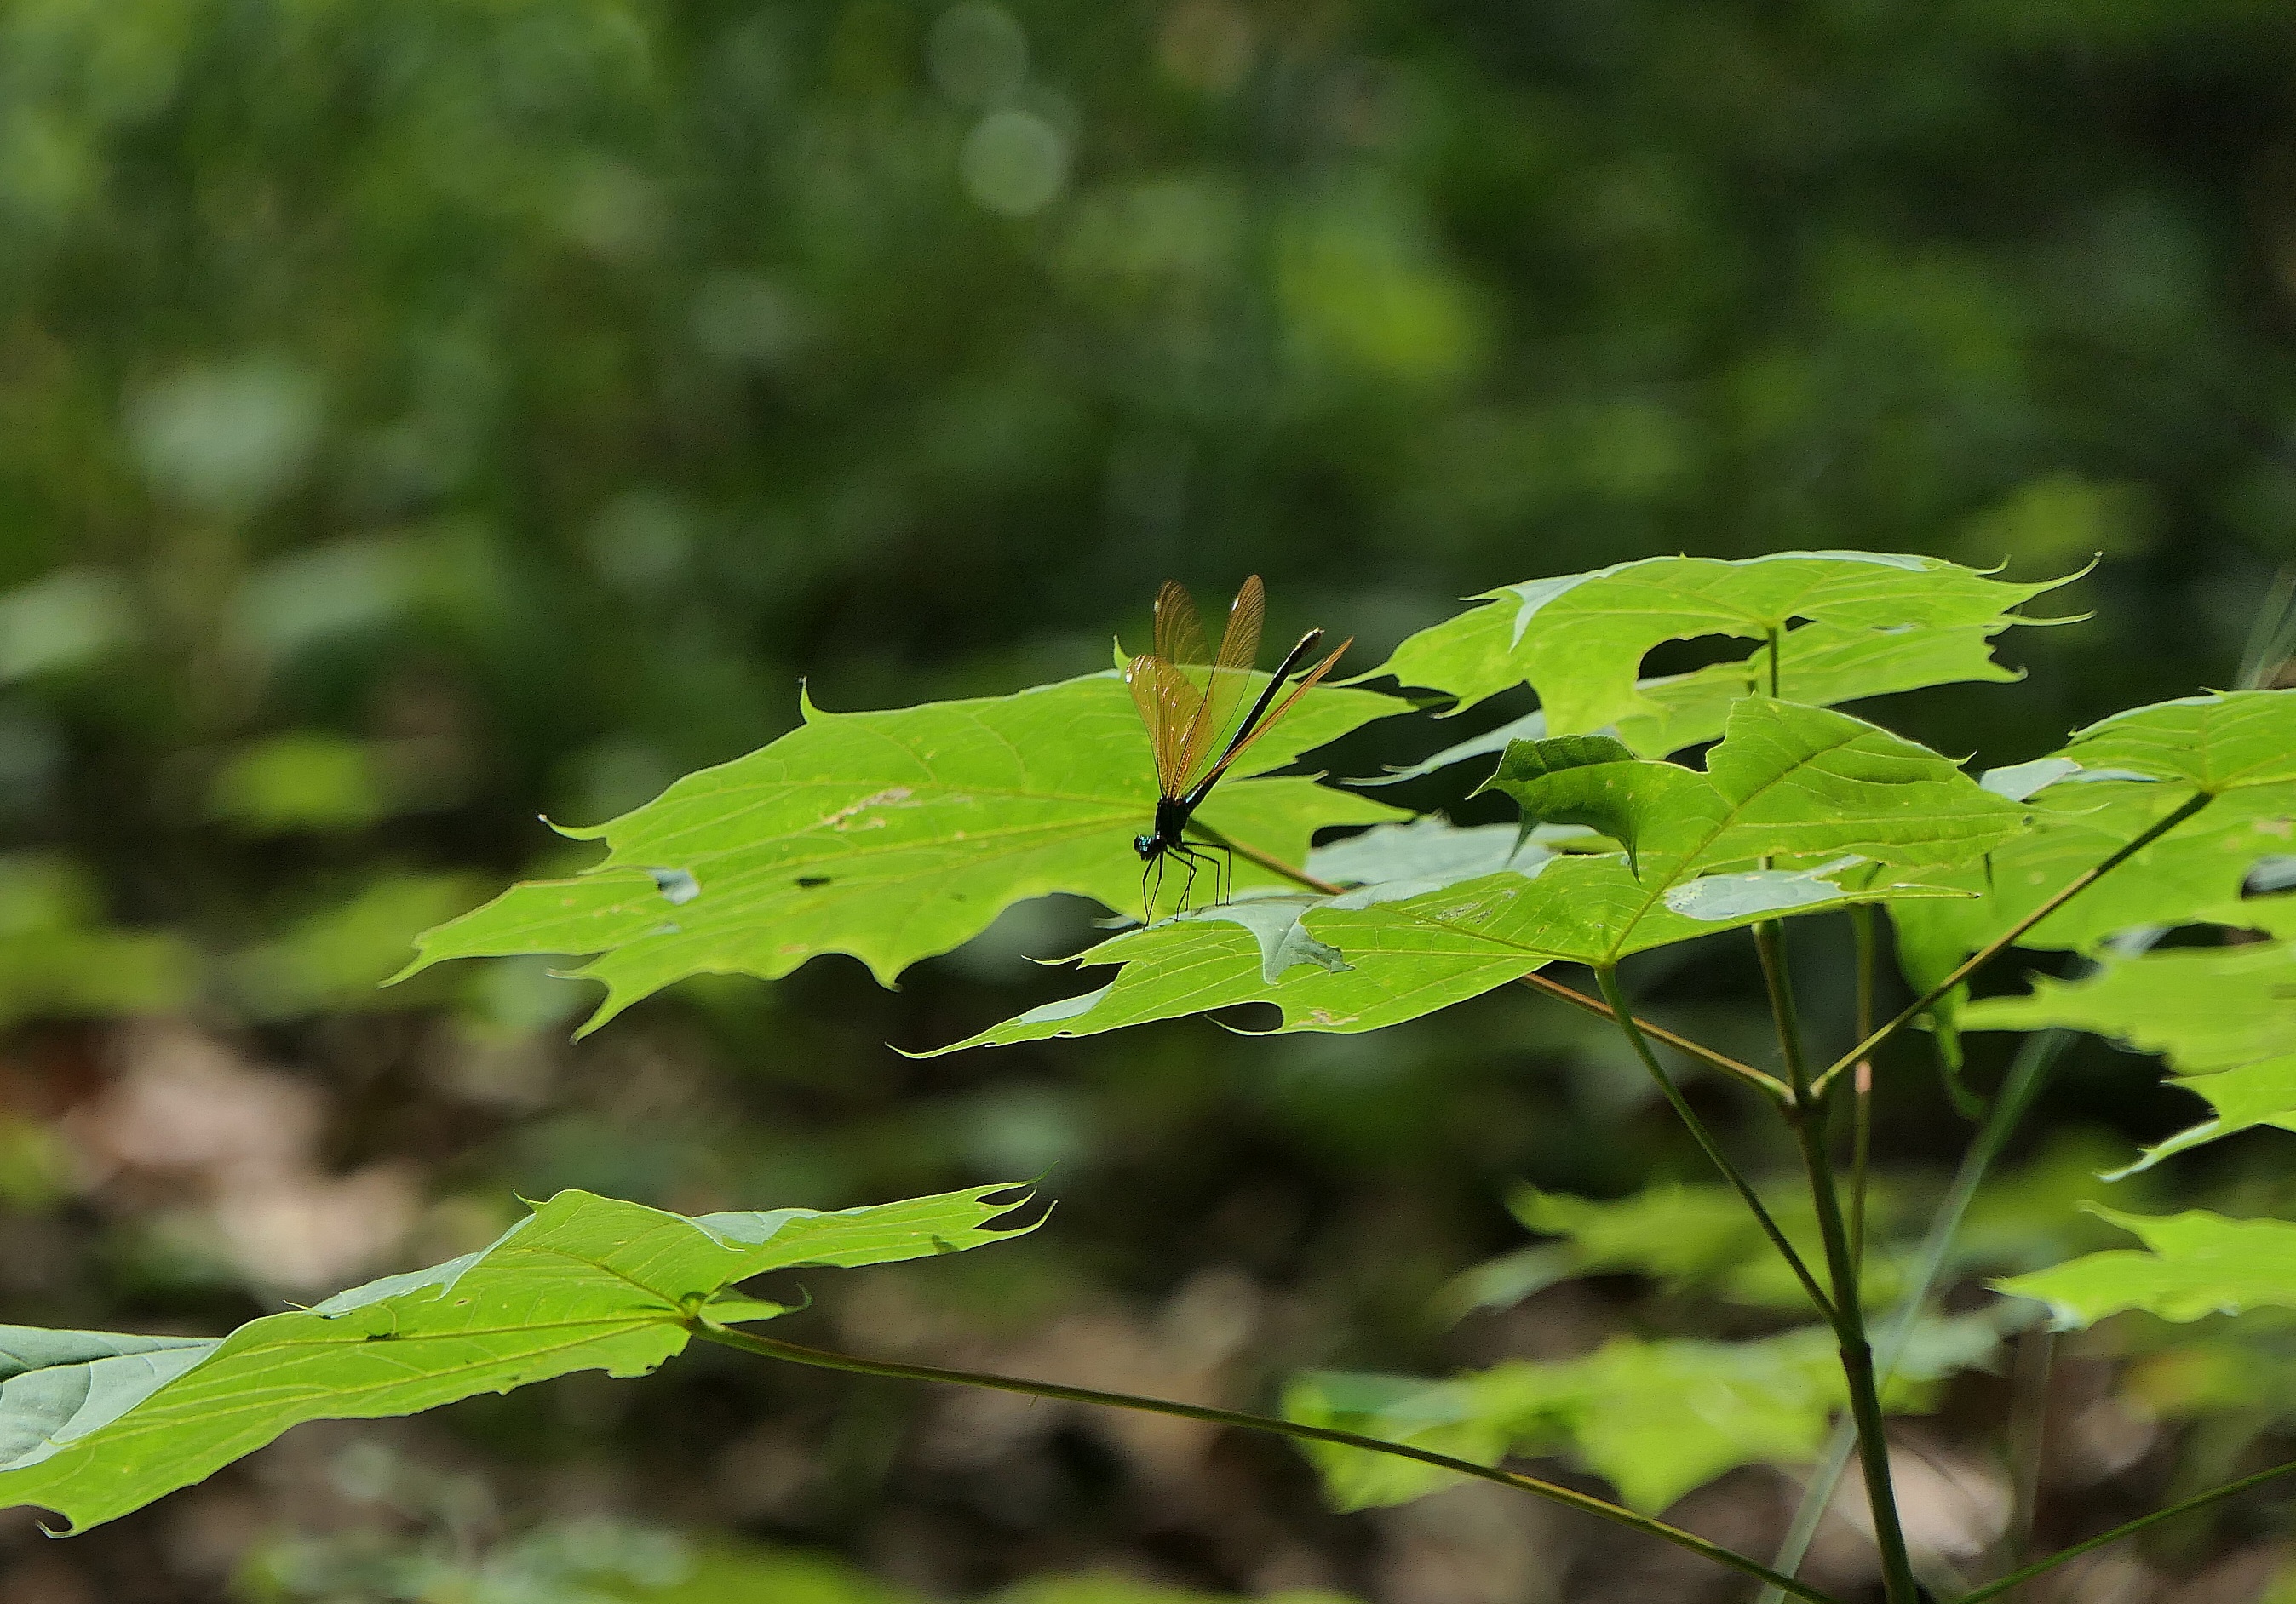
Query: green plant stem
x,y
1268,861
1861,1088
1769,1086
1857,1371
851,1364
1631,1028
2029,1416
2007,939
2018,1578
1808,1117
2028,1073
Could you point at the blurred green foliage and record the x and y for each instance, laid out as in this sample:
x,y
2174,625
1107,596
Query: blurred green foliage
x,y
472,409
606,1563
57,958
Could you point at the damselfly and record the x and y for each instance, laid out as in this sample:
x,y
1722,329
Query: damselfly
x,y
1188,713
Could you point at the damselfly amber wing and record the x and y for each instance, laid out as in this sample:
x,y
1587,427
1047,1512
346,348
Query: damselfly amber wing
x,y
1186,713
1168,700
1188,710
1179,636
1245,738
1224,683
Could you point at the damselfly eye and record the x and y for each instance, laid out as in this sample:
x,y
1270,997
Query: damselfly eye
x,y
1144,845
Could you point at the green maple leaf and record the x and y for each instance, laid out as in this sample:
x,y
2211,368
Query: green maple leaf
x,y
1846,799
2225,1017
2112,781
2194,1264
1785,780
95,1425
1820,665
894,836
1655,1418
1579,640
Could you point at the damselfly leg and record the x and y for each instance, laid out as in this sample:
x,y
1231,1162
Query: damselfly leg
x,y
1196,860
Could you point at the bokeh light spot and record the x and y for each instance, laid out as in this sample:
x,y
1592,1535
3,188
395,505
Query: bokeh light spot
x,y
1014,163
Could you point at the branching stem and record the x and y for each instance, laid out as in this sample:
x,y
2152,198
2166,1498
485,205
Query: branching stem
x,y
1768,1085
2028,1074
1631,1028
1808,1118
823,1359
1861,1104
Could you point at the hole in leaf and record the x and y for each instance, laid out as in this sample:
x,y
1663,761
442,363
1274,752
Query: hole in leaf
x,y
2271,877
1696,652
675,885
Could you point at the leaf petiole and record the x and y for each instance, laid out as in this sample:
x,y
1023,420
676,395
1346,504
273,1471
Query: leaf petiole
x,y
2009,937
1632,1029
1769,1086
1861,1107
2018,1578
1587,1503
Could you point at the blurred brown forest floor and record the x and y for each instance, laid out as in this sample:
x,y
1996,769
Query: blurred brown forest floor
x,y
181,1144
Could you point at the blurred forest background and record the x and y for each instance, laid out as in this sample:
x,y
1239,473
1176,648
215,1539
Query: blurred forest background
x,y
418,415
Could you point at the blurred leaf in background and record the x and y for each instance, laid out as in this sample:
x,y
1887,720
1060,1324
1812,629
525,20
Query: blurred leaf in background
x,y
301,781
59,957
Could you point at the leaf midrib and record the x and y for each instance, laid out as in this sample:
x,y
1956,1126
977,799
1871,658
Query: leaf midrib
x,y
141,1421
1730,817
1113,810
